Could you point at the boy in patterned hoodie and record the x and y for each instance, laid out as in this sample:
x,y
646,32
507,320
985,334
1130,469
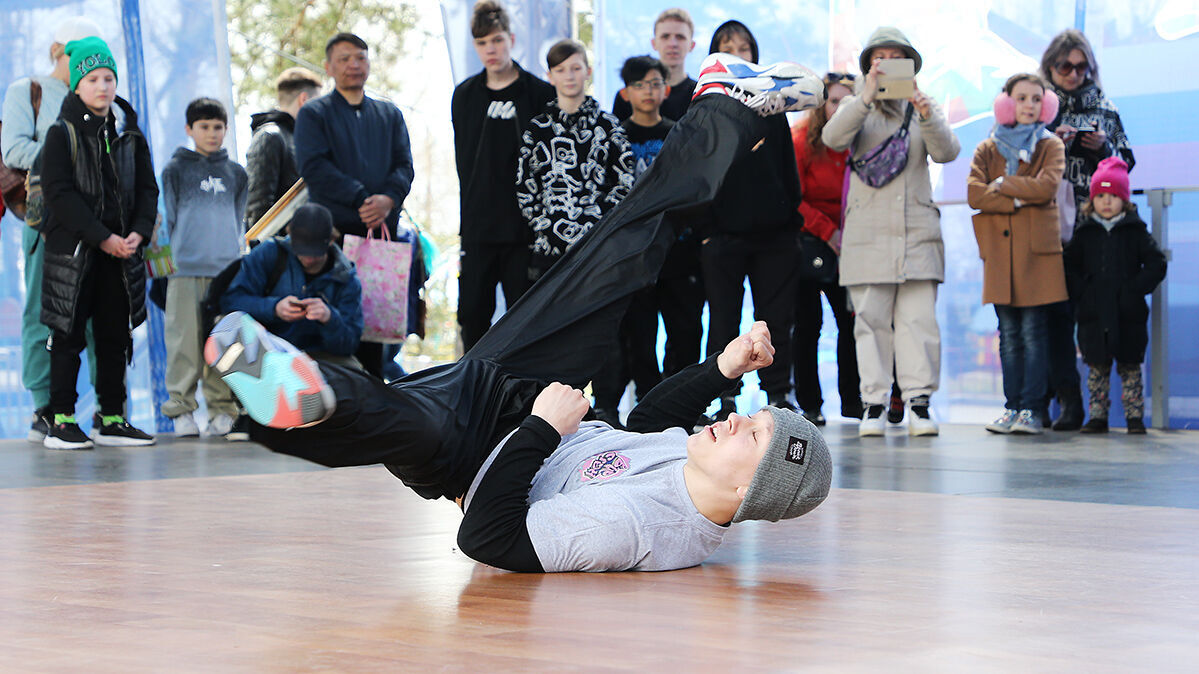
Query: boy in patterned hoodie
x,y
575,162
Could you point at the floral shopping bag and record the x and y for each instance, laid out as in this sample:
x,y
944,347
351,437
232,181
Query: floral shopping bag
x,y
384,267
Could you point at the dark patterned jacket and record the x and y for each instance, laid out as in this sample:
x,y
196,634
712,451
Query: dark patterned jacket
x,y
1087,106
573,169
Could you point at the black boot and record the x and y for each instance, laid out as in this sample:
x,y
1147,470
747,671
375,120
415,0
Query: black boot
x,y
1070,419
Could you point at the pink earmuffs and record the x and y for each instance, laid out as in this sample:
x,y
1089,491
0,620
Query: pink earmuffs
x,y
1005,108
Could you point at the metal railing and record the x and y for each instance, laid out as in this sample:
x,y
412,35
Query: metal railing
x,y
1160,199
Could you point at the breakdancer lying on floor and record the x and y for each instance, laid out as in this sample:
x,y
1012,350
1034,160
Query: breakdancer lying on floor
x,y
540,490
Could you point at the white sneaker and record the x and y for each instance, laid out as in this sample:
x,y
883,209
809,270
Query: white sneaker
x,y
220,425
1027,423
185,426
873,424
1004,423
767,89
920,418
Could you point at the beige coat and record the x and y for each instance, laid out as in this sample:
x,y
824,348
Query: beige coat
x,y
892,233
1021,248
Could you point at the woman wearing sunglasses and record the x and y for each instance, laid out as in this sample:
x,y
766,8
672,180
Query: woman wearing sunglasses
x,y
1089,124
822,174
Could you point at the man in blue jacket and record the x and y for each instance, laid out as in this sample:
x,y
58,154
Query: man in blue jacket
x,y
316,303
354,154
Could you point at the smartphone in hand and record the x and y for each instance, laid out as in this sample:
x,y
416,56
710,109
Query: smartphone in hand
x,y
896,79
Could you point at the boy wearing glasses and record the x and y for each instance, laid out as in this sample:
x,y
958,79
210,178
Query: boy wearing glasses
x,y
673,32
678,295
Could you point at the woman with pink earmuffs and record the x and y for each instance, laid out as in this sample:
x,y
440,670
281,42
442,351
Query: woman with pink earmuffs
x,y
1014,184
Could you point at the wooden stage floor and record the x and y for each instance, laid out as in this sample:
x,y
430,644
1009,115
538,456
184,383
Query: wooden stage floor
x,y
206,557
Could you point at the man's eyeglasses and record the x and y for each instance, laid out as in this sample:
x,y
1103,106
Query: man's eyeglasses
x,y
655,85
1065,67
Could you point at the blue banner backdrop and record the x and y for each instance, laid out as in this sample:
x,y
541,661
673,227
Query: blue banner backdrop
x,y
168,52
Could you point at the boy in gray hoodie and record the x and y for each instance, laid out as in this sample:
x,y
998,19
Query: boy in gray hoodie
x,y
205,196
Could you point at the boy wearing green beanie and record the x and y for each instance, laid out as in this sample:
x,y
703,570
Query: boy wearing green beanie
x,y
101,204
86,55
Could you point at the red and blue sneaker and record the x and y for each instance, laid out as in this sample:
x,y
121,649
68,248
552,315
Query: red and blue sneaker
x,y
279,385
767,89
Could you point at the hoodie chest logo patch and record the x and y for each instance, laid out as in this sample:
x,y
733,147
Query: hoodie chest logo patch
x,y
604,466
212,184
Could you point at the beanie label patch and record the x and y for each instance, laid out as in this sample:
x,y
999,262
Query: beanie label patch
x,y
95,61
797,450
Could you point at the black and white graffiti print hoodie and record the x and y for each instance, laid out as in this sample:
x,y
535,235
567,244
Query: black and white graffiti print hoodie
x,y
573,169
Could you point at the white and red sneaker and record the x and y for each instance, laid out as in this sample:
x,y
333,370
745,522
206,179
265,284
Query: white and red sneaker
x,y
767,89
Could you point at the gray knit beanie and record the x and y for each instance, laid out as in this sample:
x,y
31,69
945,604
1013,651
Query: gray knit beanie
x,y
888,36
794,474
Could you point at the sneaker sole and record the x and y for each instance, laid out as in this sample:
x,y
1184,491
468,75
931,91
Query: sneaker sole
x,y
999,429
871,433
279,388
119,441
1025,430
52,442
923,432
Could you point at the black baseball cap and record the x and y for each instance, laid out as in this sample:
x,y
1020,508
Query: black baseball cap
x,y
311,230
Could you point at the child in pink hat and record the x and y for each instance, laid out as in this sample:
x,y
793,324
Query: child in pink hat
x,y
1111,264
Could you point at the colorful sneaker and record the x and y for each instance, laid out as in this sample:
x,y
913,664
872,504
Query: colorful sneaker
x,y
279,385
40,426
872,422
114,431
1004,423
921,421
768,90
64,433
1026,423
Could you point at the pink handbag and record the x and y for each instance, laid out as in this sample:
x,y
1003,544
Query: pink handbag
x,y
384,267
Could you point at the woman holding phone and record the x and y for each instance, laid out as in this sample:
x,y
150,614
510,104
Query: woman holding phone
x,y
1089,125
892,256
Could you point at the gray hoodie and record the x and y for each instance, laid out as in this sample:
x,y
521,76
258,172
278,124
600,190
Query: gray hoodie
x,y
205,200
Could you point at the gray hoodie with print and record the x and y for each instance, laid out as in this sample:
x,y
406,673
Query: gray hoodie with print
x,y
205,198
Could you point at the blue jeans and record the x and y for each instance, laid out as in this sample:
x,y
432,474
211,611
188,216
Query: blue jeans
x,y
1024,355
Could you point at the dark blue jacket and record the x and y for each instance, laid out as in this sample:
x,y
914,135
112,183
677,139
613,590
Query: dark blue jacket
x,y
339,287
346,156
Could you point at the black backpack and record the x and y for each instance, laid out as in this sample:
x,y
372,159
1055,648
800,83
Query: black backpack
x,y
210,307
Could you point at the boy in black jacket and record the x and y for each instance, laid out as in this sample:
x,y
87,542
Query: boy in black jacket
x,y
491,111
101,198
1111,264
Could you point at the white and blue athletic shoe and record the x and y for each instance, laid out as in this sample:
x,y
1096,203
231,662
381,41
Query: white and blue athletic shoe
x,y
767,89
279,385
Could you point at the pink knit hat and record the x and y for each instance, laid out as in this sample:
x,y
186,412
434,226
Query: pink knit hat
x,y
1111,178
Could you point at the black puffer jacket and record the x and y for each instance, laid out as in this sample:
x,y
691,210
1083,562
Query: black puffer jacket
x,y
1109,274
100,194
270,162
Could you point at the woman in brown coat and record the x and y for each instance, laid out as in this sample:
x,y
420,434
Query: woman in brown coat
x,y
1013,183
